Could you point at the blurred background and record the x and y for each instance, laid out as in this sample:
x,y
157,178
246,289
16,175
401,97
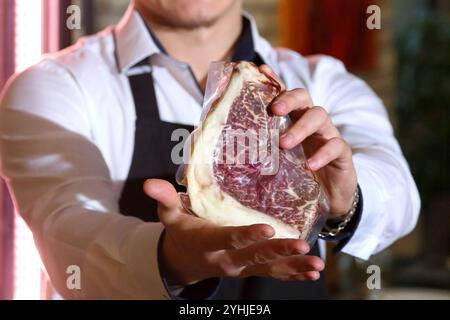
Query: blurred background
x,y
407,63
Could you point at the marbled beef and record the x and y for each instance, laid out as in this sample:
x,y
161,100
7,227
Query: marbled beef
x,y
236,174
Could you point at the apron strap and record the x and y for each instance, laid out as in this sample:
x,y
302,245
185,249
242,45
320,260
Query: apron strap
x,y
134,201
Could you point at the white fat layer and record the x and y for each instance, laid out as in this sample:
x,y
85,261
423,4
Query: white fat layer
x,y
208,201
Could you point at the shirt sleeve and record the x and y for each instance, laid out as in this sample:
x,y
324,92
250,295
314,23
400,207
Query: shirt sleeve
x,y
391,199
62,188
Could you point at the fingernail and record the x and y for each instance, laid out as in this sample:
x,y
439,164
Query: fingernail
x,y
313,164
306,248
267,233
280,107
319,265
315,276
287,139
300,250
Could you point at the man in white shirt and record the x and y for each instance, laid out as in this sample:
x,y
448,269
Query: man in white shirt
x,y
83,129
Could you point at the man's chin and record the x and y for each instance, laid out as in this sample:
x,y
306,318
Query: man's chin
x,y
192,23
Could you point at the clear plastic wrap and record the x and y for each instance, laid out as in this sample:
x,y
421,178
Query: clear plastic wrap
x,y
233,170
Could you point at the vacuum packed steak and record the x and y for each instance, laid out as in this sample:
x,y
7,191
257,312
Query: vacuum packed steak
x,y
236,174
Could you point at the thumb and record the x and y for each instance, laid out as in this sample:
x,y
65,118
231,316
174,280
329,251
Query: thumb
x,y
166,195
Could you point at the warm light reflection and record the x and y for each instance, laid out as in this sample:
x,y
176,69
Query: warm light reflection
x,y
28,38
27,271
28,46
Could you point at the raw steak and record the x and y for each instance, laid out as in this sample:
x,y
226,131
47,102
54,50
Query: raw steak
x,y
236,174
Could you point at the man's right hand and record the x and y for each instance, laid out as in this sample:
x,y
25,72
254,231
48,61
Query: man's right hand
x,y
194,249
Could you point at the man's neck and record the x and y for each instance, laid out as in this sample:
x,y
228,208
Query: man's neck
x,y
198,47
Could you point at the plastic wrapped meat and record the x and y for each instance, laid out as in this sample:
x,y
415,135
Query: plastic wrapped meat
x,y
235,173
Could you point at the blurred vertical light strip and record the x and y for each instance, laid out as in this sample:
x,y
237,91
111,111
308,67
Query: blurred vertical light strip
x,y
28,46
28,33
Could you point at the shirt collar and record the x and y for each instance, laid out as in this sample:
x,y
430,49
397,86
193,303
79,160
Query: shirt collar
x,y
135,42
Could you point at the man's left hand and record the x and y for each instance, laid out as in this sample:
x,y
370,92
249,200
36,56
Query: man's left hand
x,y
327,153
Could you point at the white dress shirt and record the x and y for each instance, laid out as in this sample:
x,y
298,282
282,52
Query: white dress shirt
x,y
67,133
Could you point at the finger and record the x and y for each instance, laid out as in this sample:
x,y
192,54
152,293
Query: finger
x,y
167,197
267,71
293,102
221,238
333,150
314,120
267,251
305,276
286,267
